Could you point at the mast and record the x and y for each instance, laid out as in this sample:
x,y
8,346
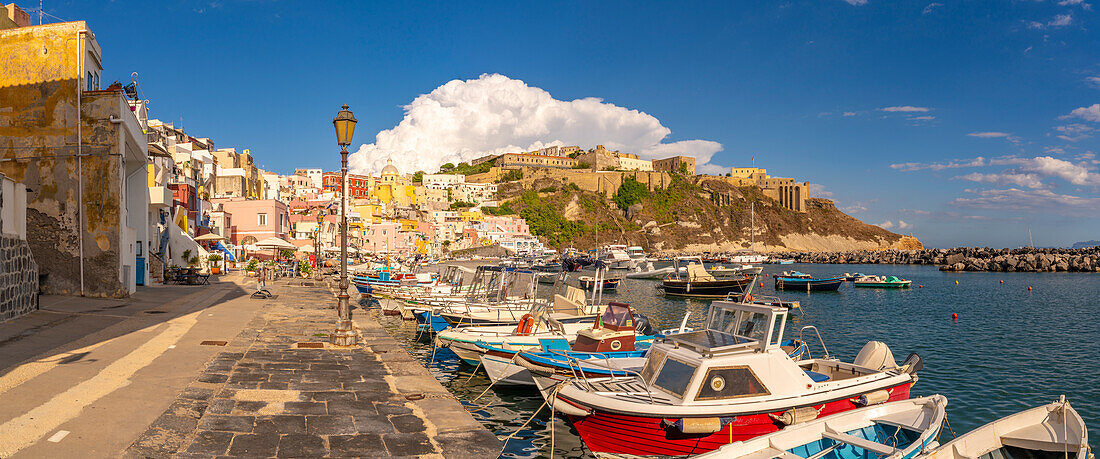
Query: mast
x,y
752,218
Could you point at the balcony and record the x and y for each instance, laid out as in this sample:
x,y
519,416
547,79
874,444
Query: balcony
x,y
160,197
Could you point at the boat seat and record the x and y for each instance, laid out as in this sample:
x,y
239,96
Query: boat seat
x,y
877,448
817,377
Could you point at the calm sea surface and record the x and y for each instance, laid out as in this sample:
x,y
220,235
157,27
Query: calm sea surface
x,y
1010,349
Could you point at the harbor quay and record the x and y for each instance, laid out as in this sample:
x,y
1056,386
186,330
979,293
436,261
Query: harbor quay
x,y
188,371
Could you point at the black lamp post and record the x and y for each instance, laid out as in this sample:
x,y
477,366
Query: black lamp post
x,y
345,128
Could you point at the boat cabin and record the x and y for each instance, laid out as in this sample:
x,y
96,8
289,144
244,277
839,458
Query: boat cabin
x,y
612,332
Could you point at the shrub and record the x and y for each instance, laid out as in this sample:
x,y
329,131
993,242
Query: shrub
x,y
548,189
630,193
511,176
462,205
252,265
582,166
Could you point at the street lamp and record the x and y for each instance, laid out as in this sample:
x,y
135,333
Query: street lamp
x,y
345,129
317,247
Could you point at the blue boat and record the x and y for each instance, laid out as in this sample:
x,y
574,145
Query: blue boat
x,y
794,280
897,430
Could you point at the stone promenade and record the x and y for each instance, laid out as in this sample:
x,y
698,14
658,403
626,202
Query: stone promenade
x,y
273,393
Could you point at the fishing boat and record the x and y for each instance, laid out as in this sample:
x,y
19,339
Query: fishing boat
x,y
697,282
896,430
852,276
794,280
721,271
562,318
614,336
882,282
615,257
605,283
649,272
1054,430
728,382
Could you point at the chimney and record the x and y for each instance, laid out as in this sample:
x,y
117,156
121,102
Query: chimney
x,y
16,15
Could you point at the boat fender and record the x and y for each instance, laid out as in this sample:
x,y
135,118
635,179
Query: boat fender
x,y
697,425
873,398
566,407
797,415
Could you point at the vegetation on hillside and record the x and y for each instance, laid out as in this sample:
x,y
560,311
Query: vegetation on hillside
x,y
684,214
466,169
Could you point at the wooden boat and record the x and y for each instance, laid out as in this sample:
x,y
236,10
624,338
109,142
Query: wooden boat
x,y
852,276
794,280
728,382
614,336
697,282
737,271
882,282
607,283
1054,430
896,430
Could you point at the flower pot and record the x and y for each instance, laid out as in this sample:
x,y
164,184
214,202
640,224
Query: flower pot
x,y
215,270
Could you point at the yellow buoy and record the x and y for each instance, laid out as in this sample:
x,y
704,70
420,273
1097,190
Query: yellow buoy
x,y
956,282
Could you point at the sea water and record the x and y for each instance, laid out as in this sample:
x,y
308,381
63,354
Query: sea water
x,y
1009,350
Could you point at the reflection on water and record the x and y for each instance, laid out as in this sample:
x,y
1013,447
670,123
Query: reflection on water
x,y
1010,349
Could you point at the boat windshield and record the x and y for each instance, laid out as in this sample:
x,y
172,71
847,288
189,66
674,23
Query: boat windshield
x,y
617,317
742,324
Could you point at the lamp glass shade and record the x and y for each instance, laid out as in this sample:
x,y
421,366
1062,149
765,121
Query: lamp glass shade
x,y
345,126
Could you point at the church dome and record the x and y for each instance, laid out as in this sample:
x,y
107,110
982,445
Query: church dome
x,y
389,169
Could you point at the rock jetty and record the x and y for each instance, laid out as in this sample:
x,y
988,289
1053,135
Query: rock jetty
x,y
967,258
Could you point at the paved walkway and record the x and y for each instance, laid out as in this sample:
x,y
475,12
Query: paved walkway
x,y
269,394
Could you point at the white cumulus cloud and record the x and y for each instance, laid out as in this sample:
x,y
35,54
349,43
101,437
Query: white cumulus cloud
x,y
1090,113
465,119
856,2
886,224
904,109
988,135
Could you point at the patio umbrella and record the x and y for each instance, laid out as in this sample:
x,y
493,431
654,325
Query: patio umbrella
x,y
210,237
308,248
275,244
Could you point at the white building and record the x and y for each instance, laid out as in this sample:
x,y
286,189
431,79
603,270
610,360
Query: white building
x,y
632,164
314,176
442,181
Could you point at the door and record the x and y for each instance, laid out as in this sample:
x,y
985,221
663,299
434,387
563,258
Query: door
x,y
140,276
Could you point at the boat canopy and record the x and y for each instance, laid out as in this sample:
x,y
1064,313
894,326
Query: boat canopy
x,y
733,326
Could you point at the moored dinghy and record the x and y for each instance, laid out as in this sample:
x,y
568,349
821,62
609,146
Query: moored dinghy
x,y
896,430
1051,431
794,280
882,282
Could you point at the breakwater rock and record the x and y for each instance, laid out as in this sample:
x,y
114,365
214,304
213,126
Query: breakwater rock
x,y
968,258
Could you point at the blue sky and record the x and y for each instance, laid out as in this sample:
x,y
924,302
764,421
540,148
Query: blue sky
x,y
965,123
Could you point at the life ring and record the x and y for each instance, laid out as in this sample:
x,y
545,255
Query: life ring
x,y
526,324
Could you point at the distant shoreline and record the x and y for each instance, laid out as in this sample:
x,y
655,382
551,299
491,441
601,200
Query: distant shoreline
x,y
967,259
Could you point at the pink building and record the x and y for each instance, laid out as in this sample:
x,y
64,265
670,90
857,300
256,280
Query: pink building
x,y
383,237
512,226
255,220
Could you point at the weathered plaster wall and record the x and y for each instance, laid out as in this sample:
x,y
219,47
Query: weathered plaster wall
x,y
38,147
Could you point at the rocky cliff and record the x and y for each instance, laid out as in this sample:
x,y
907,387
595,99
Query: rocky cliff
x,y
689,216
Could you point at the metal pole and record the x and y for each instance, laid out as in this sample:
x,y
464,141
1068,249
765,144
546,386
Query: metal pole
x,y
345,335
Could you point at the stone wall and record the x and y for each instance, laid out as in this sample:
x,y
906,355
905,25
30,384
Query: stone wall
x,y
18,278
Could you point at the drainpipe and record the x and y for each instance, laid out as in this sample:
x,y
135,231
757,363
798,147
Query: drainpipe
x,y
79,152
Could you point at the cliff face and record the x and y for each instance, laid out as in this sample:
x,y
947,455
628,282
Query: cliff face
x,y
693,217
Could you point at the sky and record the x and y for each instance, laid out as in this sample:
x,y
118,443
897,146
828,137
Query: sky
x,y
962,122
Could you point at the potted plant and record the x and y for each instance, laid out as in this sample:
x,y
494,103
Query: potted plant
x,y
251,267
213,259
304,268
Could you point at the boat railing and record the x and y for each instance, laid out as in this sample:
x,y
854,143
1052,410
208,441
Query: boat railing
x,y
816,332
575,364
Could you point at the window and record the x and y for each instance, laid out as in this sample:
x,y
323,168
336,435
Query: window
x,y
261,219
730,382
674,377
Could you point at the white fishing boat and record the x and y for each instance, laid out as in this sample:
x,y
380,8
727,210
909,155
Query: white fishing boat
x,y
896,430
562,318
1051,431
615,257
649,272
728,382
722,271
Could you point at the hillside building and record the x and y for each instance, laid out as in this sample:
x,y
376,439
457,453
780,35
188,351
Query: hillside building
x,y
82,152
788,193
675,165
517,160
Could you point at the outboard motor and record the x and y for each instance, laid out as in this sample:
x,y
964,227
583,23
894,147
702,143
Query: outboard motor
x,y
642,325
912,364
875,355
